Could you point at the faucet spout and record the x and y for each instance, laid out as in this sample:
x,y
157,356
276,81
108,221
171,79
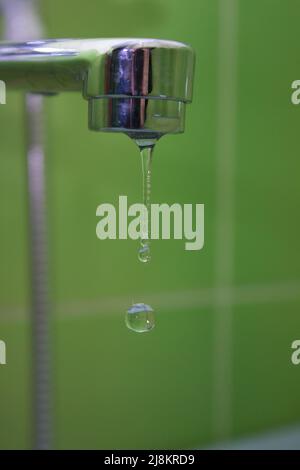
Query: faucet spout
x,y
136,86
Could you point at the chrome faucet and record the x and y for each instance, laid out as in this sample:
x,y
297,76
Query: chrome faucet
x,y
136,86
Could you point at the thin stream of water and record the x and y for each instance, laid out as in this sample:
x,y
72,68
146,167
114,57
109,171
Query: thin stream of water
x,y
146,152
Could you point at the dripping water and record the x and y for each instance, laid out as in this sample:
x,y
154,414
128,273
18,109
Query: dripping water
x,y
146,151
140,316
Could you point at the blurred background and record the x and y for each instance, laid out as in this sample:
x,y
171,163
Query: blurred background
x,y
217,367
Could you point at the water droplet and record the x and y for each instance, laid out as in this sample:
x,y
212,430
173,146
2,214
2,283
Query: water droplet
x,y
144,252
140,318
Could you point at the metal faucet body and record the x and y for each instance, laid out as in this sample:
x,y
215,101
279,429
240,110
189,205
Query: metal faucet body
x,y
136,86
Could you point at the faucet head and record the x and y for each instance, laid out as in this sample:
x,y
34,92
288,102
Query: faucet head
x,y
141,88
136,86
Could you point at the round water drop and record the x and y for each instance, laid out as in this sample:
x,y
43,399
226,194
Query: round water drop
x,y
144,253
140,318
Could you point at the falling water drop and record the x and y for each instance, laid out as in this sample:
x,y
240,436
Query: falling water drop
x,y
140,318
